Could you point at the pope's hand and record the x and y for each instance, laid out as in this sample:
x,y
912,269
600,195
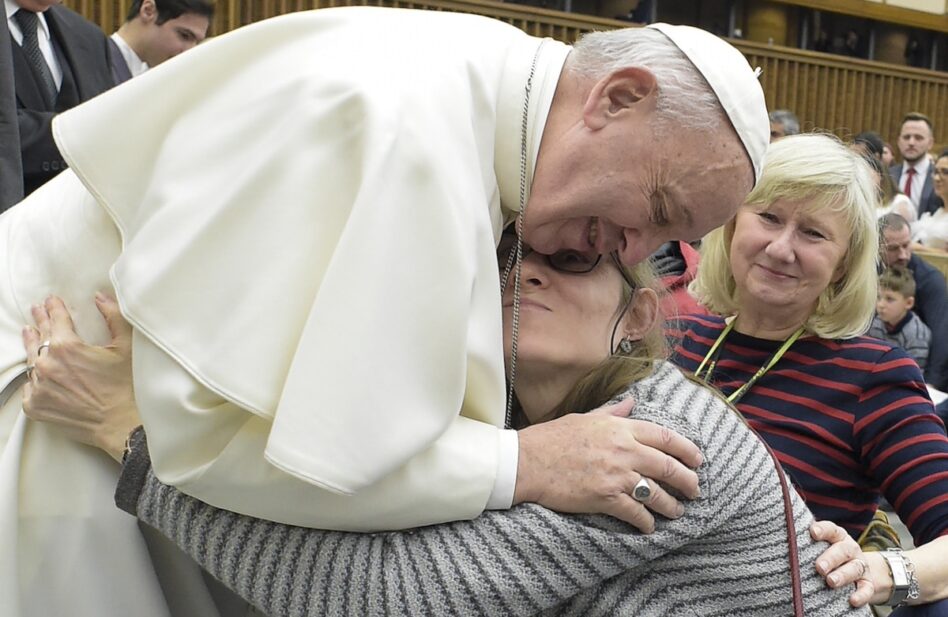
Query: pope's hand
x,y
86,390
591,463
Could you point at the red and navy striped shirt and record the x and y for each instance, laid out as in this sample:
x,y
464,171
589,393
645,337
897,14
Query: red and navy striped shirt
x,y
848,419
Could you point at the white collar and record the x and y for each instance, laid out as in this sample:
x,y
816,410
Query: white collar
x,y
921,165
136,66
509,131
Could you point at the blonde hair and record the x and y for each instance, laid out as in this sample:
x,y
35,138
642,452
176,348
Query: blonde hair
x,y
821,169
615,373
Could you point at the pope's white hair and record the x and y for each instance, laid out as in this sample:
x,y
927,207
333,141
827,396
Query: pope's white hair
x,y
684,96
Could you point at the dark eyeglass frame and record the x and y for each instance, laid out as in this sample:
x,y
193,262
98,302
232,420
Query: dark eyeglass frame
x,y
506,262
555,261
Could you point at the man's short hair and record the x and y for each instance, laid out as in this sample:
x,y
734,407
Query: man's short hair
x,y
915,116
899,280
872,142
171,9
893,222
787,119
684,95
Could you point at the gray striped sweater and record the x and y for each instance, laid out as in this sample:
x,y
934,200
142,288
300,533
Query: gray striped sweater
x,y
727,555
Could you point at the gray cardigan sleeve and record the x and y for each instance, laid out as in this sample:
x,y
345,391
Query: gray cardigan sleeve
x,y
517,562
726,555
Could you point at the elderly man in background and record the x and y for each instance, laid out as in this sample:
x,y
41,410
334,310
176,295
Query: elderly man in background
x,y
914,176
931,293
315,315
156,30
783,122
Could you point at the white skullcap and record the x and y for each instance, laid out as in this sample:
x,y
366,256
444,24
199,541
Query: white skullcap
x,y
733,81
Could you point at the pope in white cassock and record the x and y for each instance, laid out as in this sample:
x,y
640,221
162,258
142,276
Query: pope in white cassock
x,y
299,221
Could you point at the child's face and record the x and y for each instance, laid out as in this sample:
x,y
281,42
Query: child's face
x,y
892,306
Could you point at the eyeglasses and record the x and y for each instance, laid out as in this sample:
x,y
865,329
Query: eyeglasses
x,y
567,261
942,172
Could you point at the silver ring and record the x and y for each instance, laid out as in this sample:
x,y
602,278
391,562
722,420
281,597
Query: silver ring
x,y
43,345
865,568
642,490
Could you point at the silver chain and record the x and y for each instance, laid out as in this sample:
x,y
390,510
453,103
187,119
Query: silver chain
x,y
516,257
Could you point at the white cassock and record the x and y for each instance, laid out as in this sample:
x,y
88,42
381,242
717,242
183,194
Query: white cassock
x,y
302,217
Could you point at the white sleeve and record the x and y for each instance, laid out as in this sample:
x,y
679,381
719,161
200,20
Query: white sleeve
x,y
213,450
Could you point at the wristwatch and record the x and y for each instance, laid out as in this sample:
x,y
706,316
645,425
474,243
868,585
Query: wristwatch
x,y
905,583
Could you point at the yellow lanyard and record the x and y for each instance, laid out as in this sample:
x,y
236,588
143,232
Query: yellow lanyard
x,y
711,360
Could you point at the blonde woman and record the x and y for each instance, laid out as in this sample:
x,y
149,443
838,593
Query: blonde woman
x,y
849,417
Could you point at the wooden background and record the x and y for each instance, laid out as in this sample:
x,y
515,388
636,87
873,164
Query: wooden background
x,y
842,95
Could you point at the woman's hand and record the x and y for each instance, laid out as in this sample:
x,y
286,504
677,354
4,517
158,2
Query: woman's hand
x,y
86,390
843,563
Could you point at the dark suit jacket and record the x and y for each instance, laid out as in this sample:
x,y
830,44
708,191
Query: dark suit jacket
x,y
120,71
84,51
929,202
931,300
11,169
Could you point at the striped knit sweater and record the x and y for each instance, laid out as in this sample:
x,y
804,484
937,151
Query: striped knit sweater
x,y
848,419
727,555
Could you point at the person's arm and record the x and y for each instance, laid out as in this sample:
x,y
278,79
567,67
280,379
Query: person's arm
x,y
516,562
38,150
906,453
11,166
449,481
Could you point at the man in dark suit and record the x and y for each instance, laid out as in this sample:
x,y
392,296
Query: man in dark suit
x,y
931,293
59,61
914,176
11,169
156,30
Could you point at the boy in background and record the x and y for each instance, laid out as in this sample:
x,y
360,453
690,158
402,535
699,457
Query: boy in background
x,y
894,321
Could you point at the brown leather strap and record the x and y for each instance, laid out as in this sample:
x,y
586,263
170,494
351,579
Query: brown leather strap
x,y
791,538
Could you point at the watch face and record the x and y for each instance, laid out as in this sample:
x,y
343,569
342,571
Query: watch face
x,y
904,583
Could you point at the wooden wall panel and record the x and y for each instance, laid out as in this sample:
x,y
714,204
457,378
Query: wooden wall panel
x,y
828,92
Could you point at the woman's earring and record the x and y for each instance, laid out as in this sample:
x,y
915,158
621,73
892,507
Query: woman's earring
x,y
625,346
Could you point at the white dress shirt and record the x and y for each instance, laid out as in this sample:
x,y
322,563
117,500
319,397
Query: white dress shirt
x,y
136,66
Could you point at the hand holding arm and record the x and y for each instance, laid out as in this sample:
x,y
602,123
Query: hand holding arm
x,y
589,463
843,563
84,389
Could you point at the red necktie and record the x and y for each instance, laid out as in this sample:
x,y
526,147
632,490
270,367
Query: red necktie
x,y
909,176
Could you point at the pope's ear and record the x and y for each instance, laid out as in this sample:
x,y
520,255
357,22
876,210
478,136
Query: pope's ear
x,y
617,93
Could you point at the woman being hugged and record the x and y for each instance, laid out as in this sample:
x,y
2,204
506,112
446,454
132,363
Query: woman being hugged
x,y
586,336
849,416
